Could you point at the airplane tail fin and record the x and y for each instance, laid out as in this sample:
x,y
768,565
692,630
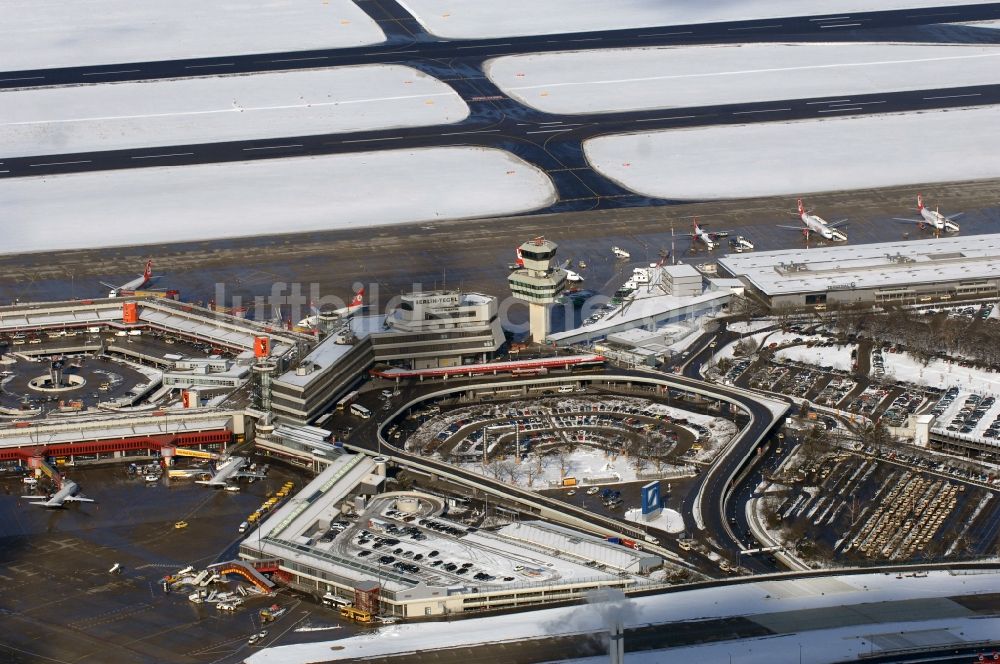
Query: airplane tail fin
x,y
147,274
359,298
920,202
695,223
520,259
802,208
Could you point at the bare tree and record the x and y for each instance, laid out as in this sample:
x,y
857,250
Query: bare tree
x,y
563,458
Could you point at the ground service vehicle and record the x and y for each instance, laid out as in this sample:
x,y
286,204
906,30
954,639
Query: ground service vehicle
x,y
356,615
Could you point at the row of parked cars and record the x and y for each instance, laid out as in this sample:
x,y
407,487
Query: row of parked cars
x,y
973,410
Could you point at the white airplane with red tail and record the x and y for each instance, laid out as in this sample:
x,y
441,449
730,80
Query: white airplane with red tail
x,y
933,218
815,224
136,284
709,238
357,304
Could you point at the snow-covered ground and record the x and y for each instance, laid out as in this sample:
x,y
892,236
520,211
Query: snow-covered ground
x,y
602,81
738,161
725,601
37,34
475,19
113,116
586,464
668,519
743,327
939,373
115,208
838,357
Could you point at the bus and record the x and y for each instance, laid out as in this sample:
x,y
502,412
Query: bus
x,y
329,599
347,400
360,411
355,614
322,419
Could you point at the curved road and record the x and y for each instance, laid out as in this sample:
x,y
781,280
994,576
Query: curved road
x,y
708,491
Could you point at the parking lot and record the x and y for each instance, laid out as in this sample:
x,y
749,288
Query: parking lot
x,y
861,507
588,438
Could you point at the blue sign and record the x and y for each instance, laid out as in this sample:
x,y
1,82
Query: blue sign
x,y
651,498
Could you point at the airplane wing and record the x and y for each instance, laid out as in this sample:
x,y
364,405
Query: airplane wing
x,y
77,499
717,234
35,497
912,221
107,285
837,224
793,228
953,217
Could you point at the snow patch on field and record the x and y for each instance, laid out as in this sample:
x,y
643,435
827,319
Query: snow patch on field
x,y
587,464
38,34
940,373
200,202
476,19
740,161
603,81
668,520
114,116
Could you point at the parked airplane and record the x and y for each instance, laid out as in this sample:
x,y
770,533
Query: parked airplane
x,y
356,305
229,469
933,218
708,238
135,284
815,224
66,494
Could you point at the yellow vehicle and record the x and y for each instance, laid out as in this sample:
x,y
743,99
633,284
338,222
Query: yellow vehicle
x,y
181,524
282,493
356,615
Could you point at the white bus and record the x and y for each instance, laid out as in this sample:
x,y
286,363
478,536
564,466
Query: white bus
x,y
329,599
360,411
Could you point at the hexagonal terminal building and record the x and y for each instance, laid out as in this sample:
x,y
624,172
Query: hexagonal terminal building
x,y
537,282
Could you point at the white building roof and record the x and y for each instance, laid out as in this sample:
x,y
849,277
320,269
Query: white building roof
x,y
643,309
580,545
879,265
681,270
88,428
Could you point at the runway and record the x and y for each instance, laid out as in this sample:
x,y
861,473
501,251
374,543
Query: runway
x,y
407,42
553,143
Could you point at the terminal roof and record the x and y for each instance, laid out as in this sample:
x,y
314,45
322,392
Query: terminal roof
x,y
879,265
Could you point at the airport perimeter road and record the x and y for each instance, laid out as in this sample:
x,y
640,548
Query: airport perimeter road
x,y
705,496
407,41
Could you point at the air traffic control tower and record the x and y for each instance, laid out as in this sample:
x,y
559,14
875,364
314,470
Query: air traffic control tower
x,y
538,283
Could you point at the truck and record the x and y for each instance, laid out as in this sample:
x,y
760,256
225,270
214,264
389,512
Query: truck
x,y
272,613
